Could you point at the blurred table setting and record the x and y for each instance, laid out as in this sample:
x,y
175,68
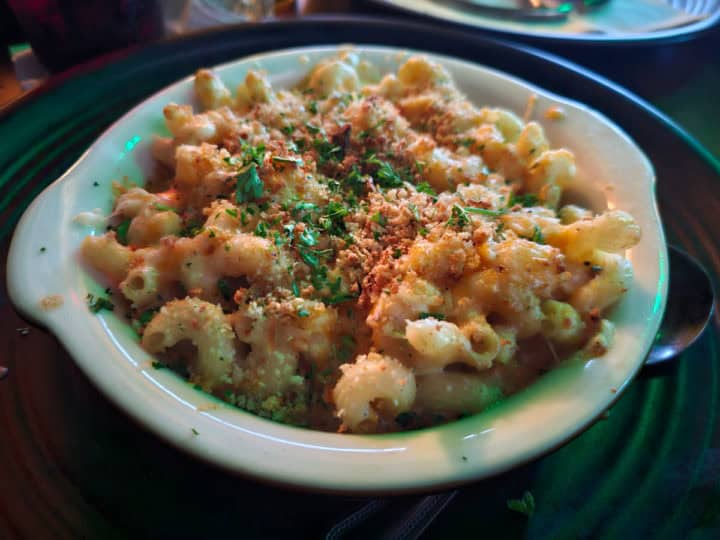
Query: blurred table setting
x,y
72,465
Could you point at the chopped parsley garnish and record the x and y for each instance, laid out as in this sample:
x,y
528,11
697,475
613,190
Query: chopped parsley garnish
x,y
98,303
528,199
429,314
424,187
524,505
158,365
312,107
537,236
121,232
328,151
355,182
231,212
287,130
295,289
333,220
147,316
485,211
397,253
252,154
224,289
261,229
309,237
423,231
466,142
249,185
302,312
43,249
339,298
309,257
194,431
385,176
459,217
190,229
165,208
312,128
379,218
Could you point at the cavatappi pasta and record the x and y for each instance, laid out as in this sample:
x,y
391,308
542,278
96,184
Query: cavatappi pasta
x,y
361,255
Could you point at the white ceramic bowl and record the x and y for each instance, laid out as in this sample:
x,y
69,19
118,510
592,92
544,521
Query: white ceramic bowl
x,y
547,414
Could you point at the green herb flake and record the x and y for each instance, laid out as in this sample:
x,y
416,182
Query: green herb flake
x,y
537,236
279,240
309,257
249,185
309,237
194,431
231,212
43,249
379,218
355,181
121,232
312,107
485,211
339,298
397,253
147,316
252,154
527,199
524,505
261,229
459,217
424,187
431,315
302,312
295,289
287,130
158,365
385,176
165,208
328,151
98,303
312,128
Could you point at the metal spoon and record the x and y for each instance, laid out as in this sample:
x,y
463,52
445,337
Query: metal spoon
x,y
690,305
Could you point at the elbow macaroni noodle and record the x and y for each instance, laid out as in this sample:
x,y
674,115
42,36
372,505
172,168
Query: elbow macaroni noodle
x,y
361,254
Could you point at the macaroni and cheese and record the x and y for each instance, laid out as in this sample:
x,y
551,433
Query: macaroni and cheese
x,y
358,253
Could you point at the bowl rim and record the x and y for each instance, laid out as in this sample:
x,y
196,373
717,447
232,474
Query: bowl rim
x,y
315,486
